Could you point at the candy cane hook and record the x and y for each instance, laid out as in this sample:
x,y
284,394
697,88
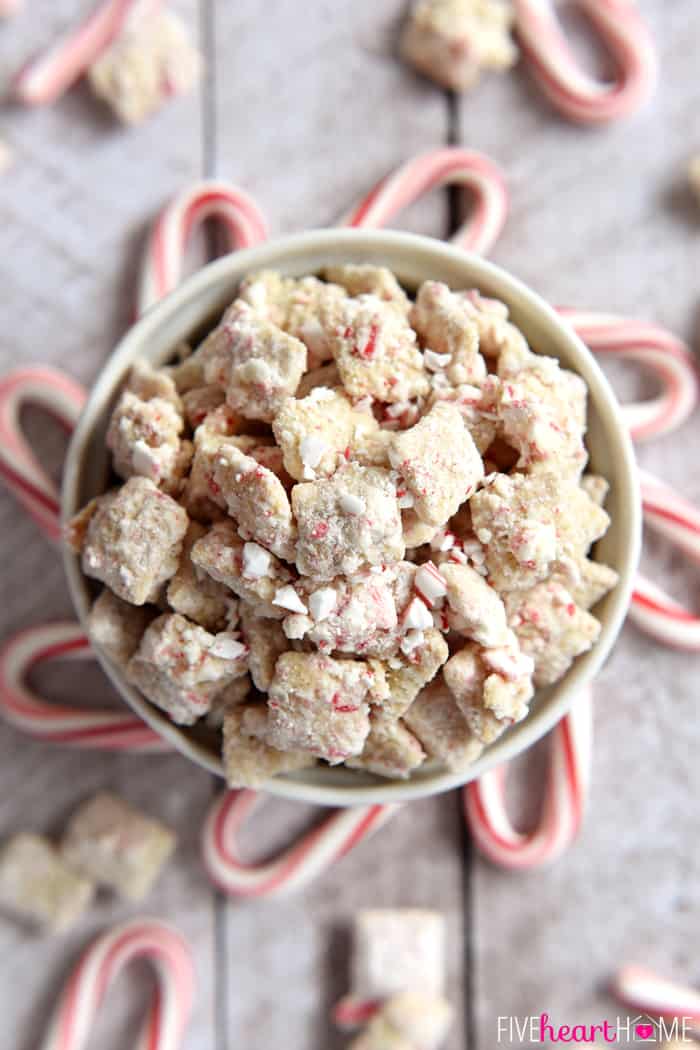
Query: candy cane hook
x,y
294,867
655,349
19,468
84,992
428,171
564,801
573,92
58,723
50,73
238,215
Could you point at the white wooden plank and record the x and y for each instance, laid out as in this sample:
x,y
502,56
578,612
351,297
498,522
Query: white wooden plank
x,y
602,219
73,211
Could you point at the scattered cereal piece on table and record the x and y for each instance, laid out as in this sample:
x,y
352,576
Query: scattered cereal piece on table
x,y
347,522
36,884
115,845
437,721
149,62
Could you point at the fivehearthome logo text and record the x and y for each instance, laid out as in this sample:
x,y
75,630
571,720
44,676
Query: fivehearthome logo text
x,y
540,1028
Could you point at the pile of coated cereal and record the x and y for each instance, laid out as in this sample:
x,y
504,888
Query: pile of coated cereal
x,y
353,528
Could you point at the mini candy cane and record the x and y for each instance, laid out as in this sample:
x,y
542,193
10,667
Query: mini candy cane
x,y
654,348
236,212
441,167
573,92
643,990
19,467
84,992
49,74
564,802
652,609
109,730
296,866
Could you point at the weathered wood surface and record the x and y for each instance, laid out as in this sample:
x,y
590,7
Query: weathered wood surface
x,y
306,113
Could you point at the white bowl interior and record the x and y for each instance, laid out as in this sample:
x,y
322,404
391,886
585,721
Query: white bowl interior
x,y
196,305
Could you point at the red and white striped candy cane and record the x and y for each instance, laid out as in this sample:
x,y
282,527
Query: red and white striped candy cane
x,y
237,214
564,801
573,92
171,1005
643,990
294,867
62,398
58,723
451,166
652,609
49,74
655,349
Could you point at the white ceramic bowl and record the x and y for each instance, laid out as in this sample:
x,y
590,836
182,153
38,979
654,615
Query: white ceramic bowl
x,y
196,305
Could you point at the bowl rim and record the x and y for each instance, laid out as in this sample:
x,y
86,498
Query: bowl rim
x,y
216,275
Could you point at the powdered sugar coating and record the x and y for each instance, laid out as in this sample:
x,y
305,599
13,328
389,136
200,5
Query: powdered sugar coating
x,y
527,524
438,462
437,721
551,628
219,553
453,41
375,350
335,539
256,363
195,594
256,499
37,885
395,949
117,626
320,705
332,439
148,63
390,749
410,1020
133,540
113,844
248,760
